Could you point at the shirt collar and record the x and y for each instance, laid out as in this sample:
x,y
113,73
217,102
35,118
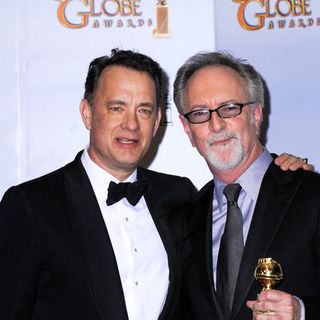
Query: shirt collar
x,y
100,178
250,180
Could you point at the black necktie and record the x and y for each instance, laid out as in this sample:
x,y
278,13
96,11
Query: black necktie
x,y
231,248
132,191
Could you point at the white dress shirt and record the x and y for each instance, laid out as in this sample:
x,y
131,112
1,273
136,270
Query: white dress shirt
x,y
141,257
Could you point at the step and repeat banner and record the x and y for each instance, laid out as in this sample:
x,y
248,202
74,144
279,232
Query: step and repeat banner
x,y
281,38
47,47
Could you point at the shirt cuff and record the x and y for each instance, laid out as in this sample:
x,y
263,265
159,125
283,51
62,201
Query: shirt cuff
x,y
302,317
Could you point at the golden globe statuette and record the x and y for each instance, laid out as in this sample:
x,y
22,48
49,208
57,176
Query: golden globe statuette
x,y
162,30
269,273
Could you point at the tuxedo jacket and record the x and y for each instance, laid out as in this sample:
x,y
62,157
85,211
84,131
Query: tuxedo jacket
x,y
285,226
56,258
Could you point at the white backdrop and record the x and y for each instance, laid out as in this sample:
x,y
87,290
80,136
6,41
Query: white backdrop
x,y
288,59
44,65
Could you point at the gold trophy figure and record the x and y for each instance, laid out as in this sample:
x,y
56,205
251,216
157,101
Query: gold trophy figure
x,y
162,30
269,273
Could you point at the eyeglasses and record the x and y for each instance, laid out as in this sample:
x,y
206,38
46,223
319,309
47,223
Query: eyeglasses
x,y
225,111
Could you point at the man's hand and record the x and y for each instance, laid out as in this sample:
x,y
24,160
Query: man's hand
x,y
287,161
283,305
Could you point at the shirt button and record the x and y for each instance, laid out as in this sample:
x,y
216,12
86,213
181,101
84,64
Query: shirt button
x,y
135,250
136,283
127,219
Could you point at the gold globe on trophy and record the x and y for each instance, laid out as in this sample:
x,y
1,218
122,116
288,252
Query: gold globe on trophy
x,y
269,273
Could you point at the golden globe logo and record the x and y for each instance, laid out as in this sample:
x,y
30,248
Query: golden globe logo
x,y
290,13
101,12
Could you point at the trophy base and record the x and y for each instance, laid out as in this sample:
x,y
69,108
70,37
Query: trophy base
x,y
158,35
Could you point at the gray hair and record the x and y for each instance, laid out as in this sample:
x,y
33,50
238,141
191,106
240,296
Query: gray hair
x,y
246,71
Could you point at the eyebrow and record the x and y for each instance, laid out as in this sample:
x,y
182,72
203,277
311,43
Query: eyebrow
x,y
147,104
112,102
228,102
203,106
122,103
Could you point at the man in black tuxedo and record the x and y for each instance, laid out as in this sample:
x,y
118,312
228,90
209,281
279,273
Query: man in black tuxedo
x,y
68,252
250,210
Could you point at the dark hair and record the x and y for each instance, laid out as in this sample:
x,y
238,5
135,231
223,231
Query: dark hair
x,y
128,59
204,59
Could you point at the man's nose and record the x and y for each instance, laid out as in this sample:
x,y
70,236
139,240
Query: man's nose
x,y
216,124
131,121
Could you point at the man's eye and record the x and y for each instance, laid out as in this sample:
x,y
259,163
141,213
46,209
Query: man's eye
x,y
229,108
199,113
146,112
116,109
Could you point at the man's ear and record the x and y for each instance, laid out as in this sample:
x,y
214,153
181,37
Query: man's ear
x,y
187,129
157,122
257,117
86,113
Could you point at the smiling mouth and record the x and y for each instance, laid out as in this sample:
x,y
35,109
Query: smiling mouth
x,y
222,142
127,141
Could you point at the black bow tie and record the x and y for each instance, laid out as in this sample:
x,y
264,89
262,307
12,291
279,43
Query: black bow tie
x,y
132,191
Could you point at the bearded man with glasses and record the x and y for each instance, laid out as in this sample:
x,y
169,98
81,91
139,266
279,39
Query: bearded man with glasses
x,y
250,210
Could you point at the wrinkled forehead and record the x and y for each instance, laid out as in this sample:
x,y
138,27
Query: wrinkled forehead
x,y
118,75
219,74
219,82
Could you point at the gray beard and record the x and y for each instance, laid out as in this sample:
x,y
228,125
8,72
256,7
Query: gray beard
x,y
216,156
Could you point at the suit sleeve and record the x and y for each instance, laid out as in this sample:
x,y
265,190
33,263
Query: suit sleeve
x,y
193,303
19,256
311,304
192,190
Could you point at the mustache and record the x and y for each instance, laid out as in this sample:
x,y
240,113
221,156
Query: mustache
x,y
217,137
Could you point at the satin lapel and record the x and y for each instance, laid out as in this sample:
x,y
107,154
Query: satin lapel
x,y
94,244
275,196
158,207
